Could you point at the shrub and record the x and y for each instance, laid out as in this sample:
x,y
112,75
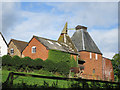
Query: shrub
x,y
27,61
49,65
38,63
7,60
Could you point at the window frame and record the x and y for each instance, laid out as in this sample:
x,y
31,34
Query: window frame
x,y
90,55
93,71
96,56
11,51
33,49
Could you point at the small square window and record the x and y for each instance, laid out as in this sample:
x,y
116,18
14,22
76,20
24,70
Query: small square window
x,y
34,49
11,51
93,70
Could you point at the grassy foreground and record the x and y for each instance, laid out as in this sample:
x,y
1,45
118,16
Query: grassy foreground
x,y
36,81
31,82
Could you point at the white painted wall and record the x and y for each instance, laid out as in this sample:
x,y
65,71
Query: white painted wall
x,y
3,46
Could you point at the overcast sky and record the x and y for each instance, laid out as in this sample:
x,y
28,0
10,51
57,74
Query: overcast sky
x,y
22,20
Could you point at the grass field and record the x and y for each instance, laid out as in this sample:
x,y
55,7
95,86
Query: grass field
x,y
36,81
31,81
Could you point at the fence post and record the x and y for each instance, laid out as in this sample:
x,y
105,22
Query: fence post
x,y
11,78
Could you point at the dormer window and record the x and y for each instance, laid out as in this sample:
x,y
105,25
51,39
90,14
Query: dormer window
x,y
90,55
34,49
96,56
11,51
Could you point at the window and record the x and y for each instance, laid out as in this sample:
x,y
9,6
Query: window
x,y
93,70
58,43
90,55
0,50
96,56
50,42
34,49
11,51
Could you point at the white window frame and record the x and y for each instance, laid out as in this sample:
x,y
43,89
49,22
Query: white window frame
x,y
11,51
96,56
33,49
90,55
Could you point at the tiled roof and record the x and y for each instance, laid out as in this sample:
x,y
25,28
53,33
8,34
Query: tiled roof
x,y
83,41
55,45
19,44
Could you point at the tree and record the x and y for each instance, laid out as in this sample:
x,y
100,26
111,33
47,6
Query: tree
x,y
116,66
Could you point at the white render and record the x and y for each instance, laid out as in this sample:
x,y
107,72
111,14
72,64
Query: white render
x,y
3,46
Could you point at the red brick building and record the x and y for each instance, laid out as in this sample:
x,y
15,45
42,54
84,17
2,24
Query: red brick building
x,y
80,45
39,47
94,67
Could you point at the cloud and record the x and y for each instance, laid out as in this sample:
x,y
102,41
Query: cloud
x,y
89,13
106,40
10,16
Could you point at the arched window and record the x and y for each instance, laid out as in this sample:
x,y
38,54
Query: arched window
x,y
34,49
11,51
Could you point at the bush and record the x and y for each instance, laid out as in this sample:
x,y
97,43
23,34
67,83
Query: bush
x,y
49,65
7,60
38,63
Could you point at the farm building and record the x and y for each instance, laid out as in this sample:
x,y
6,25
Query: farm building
x,y
39,47
3,45
16,47
94,64
80,46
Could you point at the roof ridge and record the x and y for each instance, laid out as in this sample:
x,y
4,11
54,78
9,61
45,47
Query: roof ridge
x,y
18,40
45,38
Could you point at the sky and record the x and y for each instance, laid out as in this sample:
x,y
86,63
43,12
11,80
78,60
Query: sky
x,y
22,20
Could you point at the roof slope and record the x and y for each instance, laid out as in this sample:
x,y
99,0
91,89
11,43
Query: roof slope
x,y
83,41
19,44
55,45
64,38
4,39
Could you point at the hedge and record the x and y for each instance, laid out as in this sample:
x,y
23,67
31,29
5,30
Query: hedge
x,y
57,62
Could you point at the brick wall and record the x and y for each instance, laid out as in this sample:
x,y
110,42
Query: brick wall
x,y
108,73
41,51
16,51
91,64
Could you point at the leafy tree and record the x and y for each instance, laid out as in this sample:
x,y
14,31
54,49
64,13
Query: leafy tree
x,y
116,66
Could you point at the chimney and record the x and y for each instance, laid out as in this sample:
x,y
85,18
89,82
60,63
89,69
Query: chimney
x,y
79,27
